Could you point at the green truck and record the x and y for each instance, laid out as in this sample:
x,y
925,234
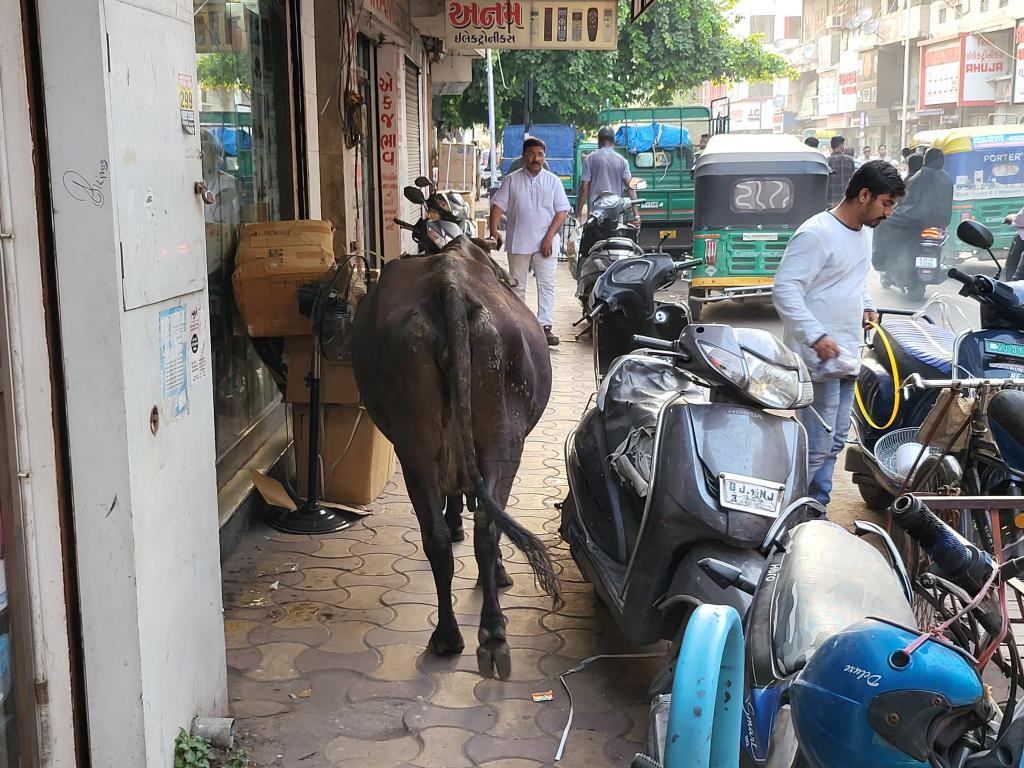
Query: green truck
x,y
661,144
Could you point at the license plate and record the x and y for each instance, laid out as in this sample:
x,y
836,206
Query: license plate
x,y
1004,348
927,262
667,234
748,494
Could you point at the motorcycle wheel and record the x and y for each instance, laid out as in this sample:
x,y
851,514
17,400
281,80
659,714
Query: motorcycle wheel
x,y
783,748
915,291
877,498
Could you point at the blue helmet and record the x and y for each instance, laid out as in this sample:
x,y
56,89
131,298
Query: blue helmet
x,y
861,701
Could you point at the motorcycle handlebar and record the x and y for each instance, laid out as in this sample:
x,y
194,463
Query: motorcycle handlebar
x,y
650,342
960,277
403,224
950,554
689,263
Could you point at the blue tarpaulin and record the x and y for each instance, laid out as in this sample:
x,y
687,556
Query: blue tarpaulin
x,y
232,139
640,138
561,146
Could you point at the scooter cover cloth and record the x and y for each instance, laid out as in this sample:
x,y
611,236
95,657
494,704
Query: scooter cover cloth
x,y
927,343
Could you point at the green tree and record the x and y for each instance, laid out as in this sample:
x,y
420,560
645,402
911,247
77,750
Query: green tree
x,y
225,70
675,46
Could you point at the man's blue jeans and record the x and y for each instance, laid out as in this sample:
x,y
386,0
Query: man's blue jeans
x,y
833,400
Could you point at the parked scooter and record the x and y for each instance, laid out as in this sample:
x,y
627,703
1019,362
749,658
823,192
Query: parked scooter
x,y
922,267
606,237
446,216
623,304
837,673
888,415
680,460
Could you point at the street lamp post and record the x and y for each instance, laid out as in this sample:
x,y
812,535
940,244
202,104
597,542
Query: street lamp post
x,y
906,72
490,119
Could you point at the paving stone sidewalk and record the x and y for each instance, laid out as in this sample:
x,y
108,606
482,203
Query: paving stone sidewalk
x,y
326,636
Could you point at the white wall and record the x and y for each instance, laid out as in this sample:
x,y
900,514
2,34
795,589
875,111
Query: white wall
x,y
129,244
26,361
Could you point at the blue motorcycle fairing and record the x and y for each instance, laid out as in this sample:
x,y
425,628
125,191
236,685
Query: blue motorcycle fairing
x,y
986,354
760,709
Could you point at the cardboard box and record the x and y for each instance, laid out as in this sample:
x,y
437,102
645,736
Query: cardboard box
x,y
457,168
256,240
272,261
337,382
357,460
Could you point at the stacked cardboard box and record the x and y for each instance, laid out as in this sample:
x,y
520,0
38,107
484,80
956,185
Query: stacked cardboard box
x,y
457,169
272,261
356,459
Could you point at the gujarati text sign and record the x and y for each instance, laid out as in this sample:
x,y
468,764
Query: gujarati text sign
x,y
553,24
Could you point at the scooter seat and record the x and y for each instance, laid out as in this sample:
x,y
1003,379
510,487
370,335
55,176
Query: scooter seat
x,y
926,343
829,580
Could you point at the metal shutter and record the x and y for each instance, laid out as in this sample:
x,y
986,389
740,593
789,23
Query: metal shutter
x,y
413,147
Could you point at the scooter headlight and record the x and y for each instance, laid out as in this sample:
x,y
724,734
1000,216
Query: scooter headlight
x,y
775,386
727,364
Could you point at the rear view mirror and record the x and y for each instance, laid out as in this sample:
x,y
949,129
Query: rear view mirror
x,y
414,195
422,181
975,233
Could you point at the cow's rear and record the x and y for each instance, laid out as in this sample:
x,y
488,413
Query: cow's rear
x,y
454,369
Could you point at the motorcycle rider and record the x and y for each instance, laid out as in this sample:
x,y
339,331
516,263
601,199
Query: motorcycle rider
x,y
604,170
821,297
929,203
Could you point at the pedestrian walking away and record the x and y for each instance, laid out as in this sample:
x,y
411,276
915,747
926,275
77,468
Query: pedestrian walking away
x,y
534,203
821,296
841,166
605,170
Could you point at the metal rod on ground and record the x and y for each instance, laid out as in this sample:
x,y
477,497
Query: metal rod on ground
x,y
490,119
906,72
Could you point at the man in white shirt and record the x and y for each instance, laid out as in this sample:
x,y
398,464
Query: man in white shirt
x,y
822,300
535,205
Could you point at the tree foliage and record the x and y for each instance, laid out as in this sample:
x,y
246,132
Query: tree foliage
x,y
225,70
675,46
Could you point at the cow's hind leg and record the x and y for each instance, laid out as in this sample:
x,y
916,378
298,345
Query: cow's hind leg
x,y
453,517
437,544
493,654
501,577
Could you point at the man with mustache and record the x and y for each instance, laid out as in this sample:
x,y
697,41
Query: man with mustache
x,y
821,297
536,206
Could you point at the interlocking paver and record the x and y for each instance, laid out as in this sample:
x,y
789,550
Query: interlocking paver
x,y
330,669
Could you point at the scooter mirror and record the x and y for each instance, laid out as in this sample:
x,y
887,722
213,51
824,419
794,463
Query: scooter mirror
x,y
414,195
422,181
975,233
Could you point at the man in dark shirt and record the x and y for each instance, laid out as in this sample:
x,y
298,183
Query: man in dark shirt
x,y
841,167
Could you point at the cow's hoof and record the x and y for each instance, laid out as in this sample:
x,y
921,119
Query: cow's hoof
x,y
501,577
458,533
446,643
494,656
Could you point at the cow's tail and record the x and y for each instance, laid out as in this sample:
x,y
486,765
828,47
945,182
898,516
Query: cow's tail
x,y
460,378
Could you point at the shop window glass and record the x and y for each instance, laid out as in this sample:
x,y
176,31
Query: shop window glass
x,y
10,751
245,131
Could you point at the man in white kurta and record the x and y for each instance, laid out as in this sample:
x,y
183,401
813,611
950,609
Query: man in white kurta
x,y
535,205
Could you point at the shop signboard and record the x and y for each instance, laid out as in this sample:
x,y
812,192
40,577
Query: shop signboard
x,y
390,124
533,24
848,66
981,63
940,74
828,93
1018,70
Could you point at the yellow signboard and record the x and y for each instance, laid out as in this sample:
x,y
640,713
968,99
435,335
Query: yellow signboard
x,y
549,24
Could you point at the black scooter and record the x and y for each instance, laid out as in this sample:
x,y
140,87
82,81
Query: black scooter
x,y
606,238
891,414
918,268
680,460
623,304
445,217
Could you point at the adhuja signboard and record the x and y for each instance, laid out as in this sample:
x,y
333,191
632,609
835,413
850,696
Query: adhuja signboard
x,y
982,62
568,25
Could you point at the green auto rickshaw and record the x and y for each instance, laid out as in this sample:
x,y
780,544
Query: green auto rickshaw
x,y
751,193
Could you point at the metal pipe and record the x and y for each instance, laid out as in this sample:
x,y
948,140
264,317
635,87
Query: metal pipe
x,y
219,731
906,73
490,119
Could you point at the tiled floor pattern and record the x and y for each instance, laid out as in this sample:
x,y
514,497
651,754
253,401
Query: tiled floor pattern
x,y
326,636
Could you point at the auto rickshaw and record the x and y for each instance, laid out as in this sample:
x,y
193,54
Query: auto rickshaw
x,y
751,194
986,164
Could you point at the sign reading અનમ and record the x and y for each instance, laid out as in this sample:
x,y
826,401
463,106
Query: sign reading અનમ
x,y
557,24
